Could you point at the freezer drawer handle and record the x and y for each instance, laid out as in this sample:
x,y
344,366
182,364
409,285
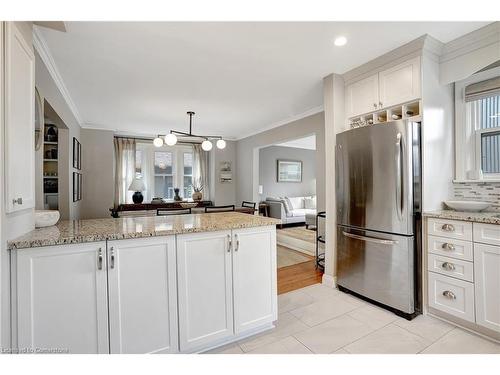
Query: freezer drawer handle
x,y
449,294
448,228
448,247
370,239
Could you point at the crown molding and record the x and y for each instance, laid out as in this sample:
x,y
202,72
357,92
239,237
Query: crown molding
x,y
285,121
44,52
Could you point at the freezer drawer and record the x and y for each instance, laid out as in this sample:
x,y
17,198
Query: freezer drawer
x,y
378,266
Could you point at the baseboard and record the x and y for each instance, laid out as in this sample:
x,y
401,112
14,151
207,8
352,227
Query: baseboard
x,y
329,281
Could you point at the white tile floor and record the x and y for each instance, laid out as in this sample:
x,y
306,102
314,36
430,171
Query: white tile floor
x,y
318,319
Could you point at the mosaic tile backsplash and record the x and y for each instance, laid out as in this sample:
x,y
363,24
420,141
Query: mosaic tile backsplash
x,y
479,191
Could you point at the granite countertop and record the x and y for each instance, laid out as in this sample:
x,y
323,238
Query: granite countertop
x,y
478,217
78,231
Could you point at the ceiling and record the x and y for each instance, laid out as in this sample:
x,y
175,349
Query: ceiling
x,y
308,143
239,78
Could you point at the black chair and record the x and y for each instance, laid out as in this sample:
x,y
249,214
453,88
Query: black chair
x,y
219,208
172,211
248,204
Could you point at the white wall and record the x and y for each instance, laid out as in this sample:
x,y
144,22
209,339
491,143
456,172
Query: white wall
x,y
223,193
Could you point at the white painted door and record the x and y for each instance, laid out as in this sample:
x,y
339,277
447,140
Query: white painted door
x,y
254,277
487,285
400,83
142,295
19,120
204,280
362,96
62,298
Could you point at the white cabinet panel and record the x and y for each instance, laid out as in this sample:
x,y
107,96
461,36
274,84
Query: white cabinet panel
x,y
461,230
400,83
254,271
487,271
142,295
487,233
450,247
362,96
62,298
455,297
19,120
451,267
204,277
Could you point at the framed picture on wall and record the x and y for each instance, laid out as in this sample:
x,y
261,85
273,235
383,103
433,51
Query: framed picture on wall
x,y
77,186
289,171
77,154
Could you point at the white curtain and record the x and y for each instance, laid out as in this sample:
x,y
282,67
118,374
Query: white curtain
x,y
124,169
147,171
200,169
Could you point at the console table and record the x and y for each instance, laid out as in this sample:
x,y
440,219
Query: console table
x,y
151,206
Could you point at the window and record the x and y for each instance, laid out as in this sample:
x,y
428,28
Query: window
x,y
163,174
478,126
138,163
188,174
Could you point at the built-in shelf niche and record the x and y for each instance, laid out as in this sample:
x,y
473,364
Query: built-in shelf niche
x,y
411,110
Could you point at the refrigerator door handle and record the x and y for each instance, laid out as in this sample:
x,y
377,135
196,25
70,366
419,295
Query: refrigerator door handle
x,y
370,239
399,192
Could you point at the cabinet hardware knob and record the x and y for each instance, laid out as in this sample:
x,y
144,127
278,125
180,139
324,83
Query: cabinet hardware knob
x,y
17,201
448,247
237,242
380,104
112,257
449,294
229,243
374,105
448,266
448,228
99,259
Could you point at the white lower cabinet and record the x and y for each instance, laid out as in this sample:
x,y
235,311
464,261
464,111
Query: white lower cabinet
x,y
62,301
142,295
227,285
487,285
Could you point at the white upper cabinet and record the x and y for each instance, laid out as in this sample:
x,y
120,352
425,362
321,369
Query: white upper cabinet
x,y
400,83
487,285
62,298
392,86
142,295
19,93
204,276
362,96
254,273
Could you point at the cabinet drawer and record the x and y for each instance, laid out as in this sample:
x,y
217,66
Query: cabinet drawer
x,y
451,267
461,230
452,248
487,233
455,297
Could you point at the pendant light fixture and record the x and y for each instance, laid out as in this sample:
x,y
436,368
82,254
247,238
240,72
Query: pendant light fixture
x,y
205,140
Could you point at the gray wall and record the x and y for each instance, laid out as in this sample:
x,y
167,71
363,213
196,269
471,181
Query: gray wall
x,y
223,193
268,157
247,182
98,176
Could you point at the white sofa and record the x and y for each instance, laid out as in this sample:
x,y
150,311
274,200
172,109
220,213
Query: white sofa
x,y
292,209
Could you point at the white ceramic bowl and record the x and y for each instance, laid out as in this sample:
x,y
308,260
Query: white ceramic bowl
x,y
470,206
46,218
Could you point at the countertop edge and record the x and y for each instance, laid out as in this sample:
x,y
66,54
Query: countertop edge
x,y
475,217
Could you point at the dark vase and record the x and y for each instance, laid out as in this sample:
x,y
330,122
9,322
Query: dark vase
x,y
137,197
177,196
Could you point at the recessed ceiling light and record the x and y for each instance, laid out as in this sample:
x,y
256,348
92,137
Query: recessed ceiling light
x,y
340,41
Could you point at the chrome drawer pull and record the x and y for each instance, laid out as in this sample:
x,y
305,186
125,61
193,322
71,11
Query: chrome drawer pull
x,y
449,294
229,243
99,259
448,247
448,228
448,266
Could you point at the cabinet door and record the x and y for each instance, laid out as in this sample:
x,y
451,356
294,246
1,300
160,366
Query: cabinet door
x,y
205,289
362,96
19,120
254,277
400,83
62,298
142,295
487,285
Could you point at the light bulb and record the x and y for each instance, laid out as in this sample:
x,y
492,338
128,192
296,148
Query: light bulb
x,y
221,144
206,145
158,142
340,41
170,139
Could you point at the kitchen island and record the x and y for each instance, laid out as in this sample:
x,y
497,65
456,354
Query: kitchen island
x,y
183,283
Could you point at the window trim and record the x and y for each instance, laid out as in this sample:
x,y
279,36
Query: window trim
x,y
468,163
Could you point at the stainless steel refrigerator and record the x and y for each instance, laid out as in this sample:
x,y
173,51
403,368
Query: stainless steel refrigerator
x,y
378,194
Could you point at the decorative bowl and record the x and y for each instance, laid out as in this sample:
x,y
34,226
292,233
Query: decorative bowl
x,y
469,206
46,218
188,204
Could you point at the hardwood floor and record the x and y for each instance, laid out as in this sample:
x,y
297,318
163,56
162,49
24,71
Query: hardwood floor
x,y
298,276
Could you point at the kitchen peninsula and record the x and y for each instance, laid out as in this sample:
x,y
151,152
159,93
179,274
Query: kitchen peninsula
x,y
183,283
